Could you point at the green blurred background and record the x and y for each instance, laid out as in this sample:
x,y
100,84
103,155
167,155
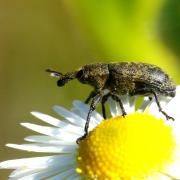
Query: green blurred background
x,y
66,34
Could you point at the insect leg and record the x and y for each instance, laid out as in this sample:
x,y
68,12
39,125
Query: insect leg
x,y
160,108
91,95
150,91
95,101
104,99
117,98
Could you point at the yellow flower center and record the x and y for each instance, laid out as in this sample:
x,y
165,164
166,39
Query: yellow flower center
x,y
125,148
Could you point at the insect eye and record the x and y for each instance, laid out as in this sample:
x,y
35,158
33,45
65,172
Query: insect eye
x,y
79,74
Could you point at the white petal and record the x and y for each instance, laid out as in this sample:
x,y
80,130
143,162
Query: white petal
x,y
172,108
153,108
54,132
44,173
114,108
63,175
84,108
174,170
74,176
21,172
91,124
49,119
44,148
178,89
55,122
47,140
79,113
37,162
146,102
75,119
70,116
132,104
126,103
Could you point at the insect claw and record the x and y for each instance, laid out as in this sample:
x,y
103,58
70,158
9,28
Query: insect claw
x,y
167,116
81,138
124,114
172,118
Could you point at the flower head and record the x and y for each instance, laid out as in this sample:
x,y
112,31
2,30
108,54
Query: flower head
x,y
142,145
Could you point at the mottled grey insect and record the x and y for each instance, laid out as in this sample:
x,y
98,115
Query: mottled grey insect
x,y
119,79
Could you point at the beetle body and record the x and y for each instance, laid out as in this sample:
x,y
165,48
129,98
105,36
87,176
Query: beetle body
x,y
127,78
119,79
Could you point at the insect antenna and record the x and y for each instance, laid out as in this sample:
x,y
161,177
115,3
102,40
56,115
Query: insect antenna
x,y
54,73
63,78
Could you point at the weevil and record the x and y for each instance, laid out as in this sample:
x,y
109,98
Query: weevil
x,y
119,79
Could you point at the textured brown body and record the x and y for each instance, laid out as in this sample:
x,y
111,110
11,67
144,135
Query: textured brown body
x,y
127,78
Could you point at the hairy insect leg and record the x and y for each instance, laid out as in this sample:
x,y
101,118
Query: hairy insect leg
x,y
117,98
104,99
142,90
95,101
91,95
160,108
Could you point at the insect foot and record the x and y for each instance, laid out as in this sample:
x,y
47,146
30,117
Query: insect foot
x,y
81,138
167,116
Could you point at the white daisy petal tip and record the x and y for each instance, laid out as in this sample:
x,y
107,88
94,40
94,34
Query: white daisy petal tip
x,y
35,113
11,145
38,115
4,165
56,108
26,124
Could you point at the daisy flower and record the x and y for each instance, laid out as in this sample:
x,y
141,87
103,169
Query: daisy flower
x,y
143,145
